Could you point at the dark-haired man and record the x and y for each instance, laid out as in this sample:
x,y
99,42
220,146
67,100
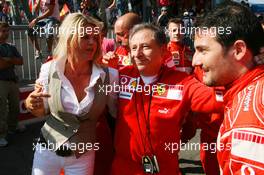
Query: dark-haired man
x,y
181,54
228,60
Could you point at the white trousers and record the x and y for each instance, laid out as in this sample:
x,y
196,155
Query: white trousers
x,y
48,163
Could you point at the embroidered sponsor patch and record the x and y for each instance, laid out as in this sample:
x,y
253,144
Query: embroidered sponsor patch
x,y
172,92
128,83
127,86
125,95
247,104
176,58
248,145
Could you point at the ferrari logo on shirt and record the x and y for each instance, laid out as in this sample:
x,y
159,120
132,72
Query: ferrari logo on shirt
x,y
161,89
125,95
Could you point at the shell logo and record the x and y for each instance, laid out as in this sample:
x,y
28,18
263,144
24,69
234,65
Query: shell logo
x,y
133,84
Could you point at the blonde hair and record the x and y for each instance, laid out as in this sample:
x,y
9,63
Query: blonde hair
x,y
69,34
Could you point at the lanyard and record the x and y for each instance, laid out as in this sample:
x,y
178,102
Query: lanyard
x,y
142,137
147,137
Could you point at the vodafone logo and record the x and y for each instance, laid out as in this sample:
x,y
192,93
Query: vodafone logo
x,y
248,98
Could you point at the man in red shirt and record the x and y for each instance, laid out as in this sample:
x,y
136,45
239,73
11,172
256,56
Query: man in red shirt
x,y
181,54
153,101
121,30
226,42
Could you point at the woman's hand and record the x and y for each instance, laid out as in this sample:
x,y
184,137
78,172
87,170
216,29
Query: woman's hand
x,y
34,102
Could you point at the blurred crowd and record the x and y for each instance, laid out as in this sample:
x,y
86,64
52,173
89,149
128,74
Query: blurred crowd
x,y
21,12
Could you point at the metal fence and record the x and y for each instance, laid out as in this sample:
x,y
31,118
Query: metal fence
x,y
29,71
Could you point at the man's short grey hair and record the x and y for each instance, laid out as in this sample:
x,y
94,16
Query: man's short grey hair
x,y
159,34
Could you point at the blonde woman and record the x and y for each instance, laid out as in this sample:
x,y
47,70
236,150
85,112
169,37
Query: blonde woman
x,y
74,102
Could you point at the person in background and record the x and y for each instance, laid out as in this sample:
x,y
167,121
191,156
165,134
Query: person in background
x,y
48,16
181,54
120,5
187,19
147,15
89,7
6,10
163,3
9,91
163,18
3,15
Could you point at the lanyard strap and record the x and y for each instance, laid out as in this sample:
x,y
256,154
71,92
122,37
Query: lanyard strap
x,y
146,119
